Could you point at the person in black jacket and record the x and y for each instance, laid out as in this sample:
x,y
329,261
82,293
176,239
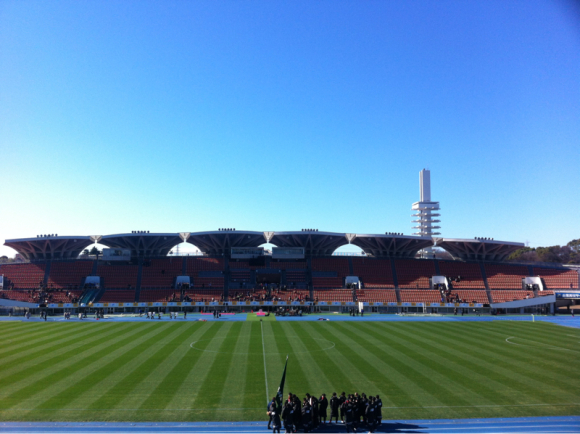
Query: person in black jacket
x,y
370,414
334,407
276,424
306,415
349,414
314,404
362,407
271,410
342,400
288,417
323,405
379,413
297,413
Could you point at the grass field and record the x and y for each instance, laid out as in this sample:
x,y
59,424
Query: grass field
x,y
195,371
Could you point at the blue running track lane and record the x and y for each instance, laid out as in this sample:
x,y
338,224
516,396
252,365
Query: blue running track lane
x,y
560,424
565,320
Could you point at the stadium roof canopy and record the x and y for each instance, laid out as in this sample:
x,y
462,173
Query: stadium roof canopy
x,y
478,249
394,246
220,242
313,242
144,244
50,247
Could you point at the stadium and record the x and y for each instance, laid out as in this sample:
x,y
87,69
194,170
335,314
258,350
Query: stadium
x,y
140,333
210,220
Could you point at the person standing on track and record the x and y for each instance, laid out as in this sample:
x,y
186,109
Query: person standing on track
x,y
288,416
322,406
271,410
334,407
379,413
306,415
370,414
349,414
342,400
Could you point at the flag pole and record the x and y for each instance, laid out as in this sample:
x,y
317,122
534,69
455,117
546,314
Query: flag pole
x,y
280,392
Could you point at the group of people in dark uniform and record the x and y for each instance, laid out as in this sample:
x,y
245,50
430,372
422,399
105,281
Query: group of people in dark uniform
x,y
356,412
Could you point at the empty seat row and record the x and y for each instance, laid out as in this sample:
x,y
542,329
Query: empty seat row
x,y
24,276
374,273
67,274
469,274
508,295
414,273
161,272
558,278
422,295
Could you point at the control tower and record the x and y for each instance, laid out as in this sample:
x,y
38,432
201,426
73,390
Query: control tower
x,y
426,212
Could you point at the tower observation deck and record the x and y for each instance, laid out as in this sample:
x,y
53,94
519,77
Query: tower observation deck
x,y
426,212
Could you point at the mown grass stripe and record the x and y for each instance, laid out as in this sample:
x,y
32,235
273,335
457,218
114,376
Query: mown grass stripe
x,y
15,333
109,382
309,357
275,360
199,363
326,362
150,382
506,364
21,356
296,380
93,353
83,382
508,356
410,375
120,388
235,379
420,369
497,392
168,375
371,356
254,392
22,344
24,339
457,377
214,384
35,369
386,375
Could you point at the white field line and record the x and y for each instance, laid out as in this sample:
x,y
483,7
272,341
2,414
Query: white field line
x,y
540,345
264,354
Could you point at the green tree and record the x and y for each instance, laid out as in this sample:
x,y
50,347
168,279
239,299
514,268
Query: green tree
x,y
95,252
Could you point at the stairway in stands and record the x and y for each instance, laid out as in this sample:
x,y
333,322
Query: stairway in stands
x,y
484,275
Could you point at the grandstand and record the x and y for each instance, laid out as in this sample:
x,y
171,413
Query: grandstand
x,y
386,271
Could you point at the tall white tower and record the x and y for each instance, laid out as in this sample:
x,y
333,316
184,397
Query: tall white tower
x,y
426,212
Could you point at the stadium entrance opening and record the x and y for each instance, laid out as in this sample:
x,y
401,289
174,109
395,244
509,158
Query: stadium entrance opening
x,y
268,277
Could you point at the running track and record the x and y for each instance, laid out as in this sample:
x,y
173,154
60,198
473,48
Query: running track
x,y
560,424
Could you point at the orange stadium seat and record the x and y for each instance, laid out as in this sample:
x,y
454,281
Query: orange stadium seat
x,y
24,276
374,273
420,295
471,277
509,295
471,295
412,273
69,274
118,275
377,295
161,273
505,276
333,295
558,278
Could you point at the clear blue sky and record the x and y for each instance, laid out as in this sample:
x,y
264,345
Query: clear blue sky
x,y
275,115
